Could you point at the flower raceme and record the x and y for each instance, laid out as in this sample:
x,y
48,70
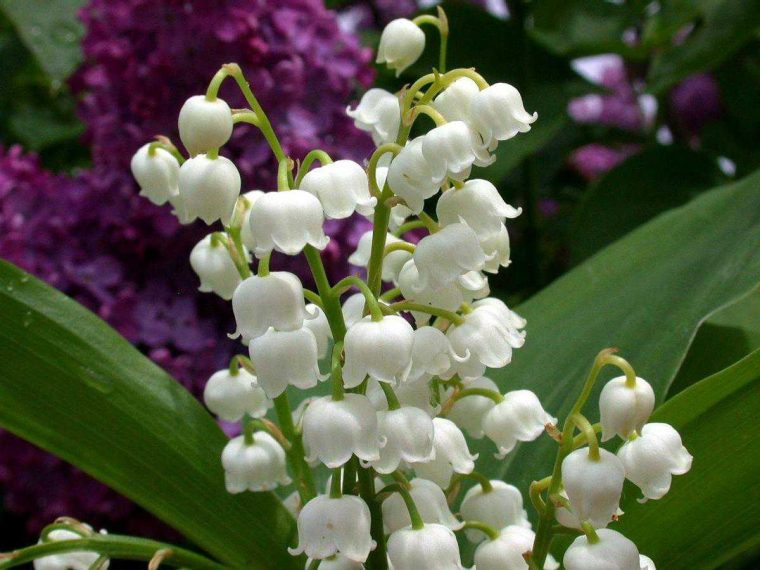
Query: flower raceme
x,y
402,396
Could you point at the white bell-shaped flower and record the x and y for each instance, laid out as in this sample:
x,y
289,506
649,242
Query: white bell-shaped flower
x,y
287,222
275,300
451,454
379,113
208,189
232,396
156,173
245,228
381,349
623,409
477,204
320,326
399,212
506,551
259,466
519,417
454,101
431,354
328,526
214,267
431,504
646,563
411,177
593,486
333,430
432,546
486,339
500,507
652,459
401,44
82,560
497,250
566,517
415,394
336,562
392,263
612,552
203,124
468,412
342,188
498,114
445,256
285,357
353,309
408,434
453,148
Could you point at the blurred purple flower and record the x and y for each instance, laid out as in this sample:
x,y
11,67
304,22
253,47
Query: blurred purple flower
x,y
594,160
694,103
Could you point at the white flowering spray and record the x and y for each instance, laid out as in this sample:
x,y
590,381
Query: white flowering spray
x,y
401,395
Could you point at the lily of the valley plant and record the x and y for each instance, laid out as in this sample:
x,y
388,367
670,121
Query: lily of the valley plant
x,y
404,350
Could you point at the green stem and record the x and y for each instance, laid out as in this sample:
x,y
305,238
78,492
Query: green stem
x,y
431,225
482,480
113,546
283,174
335,483
369,297
590,532
390,294
312,297
443,313
263,269
337,372
581,439
493,395
411,506
380,151
167,146
589,434
409,226
487,529
301,470
398,246
308,160
378,559
248,118
216,83
390,396
418,110
237,251
331,302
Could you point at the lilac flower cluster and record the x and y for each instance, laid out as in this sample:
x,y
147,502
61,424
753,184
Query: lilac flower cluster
x,y
91,236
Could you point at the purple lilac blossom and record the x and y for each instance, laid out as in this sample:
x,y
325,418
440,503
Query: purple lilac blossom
x,y
593,160
94,238
694,103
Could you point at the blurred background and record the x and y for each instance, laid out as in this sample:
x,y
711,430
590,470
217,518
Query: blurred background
x,y
642,105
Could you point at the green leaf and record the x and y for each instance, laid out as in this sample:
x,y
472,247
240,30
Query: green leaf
x,y
723,27
73,386
658,179
50,31
646,294
710,514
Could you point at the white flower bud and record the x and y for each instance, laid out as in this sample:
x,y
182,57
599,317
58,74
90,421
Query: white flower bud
x,y
231,397
328,526
506,551
612,552
451,454
486,339
82,560
320,326
496,248
208,189
342,188
353,309
454,101
646,563
204,125
411,177
408,434
157,174
392,263
652,459
593,487
245,228
431,354
378,112
477,204
401,44
275,300
214,267
445,256
498,114
468,412
432,546
624,409
335,430
381,349
336,562
431,504
285,357
286,222
259,466
500,507
519,417
453,148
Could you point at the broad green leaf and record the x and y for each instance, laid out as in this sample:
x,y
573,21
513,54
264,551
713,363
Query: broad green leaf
x,y
71,385
50,30
723,28
710,514
646,294
658,179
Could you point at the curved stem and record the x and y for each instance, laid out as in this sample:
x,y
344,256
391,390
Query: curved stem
x,y
589,434
485,392
301,470
380,151
411,506
331,303
335,483
249,118
369,297
337,372
312,297
443,313
398,246
390,294
390,396
482,480
409,226
216,83
487,529
431,225
113,546
308,160
418,110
